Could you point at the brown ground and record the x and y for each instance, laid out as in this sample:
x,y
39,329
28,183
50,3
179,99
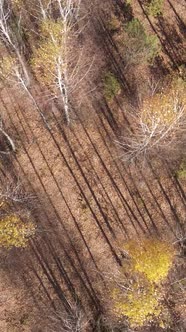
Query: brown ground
x,y
80,185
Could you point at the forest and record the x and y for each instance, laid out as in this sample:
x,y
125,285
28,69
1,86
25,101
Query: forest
x,y
92,166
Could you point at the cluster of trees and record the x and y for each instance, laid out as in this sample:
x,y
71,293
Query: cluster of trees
x,y
139,292
138,46
52,57
157,121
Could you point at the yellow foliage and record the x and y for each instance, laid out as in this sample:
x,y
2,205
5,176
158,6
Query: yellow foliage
x,y
17,3
114,23
163,108
7,63
50,52
14,232
151,257
138,292
140,304
44,62
51,28
2,204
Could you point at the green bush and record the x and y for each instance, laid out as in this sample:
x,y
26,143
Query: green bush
x,y
155,7
139,47
111,86
181,172
152,47
135,29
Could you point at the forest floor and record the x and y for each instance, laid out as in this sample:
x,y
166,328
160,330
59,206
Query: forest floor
x,y
86,202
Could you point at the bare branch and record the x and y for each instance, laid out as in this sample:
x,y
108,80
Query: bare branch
x,y
15,192
154,130
60,321
7,36
8,138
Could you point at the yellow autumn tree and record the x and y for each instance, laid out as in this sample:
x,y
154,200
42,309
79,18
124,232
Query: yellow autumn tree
x,y
139,296
14,231
56,62
159,124
7,67
50,53
165,108
151,257
17,3
51,61
140,303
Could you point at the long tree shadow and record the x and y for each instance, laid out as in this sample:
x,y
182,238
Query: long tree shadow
x,y
159,69
113,56
50,273
172,40
125,10
181,23
171,57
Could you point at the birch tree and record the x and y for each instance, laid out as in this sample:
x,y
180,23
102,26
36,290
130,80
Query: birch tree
x,y
7,139
11,73
55,61
157,124
9,38
74,321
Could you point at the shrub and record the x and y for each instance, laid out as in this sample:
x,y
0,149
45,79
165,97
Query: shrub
x,y
7,63
14,232
135,29
111,86
181,172
155,7
139,47
114,24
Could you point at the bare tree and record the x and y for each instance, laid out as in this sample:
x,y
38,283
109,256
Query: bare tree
x,y
111,325
9,37
55,62
155,126
11,71
14,192
8,139
61,321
